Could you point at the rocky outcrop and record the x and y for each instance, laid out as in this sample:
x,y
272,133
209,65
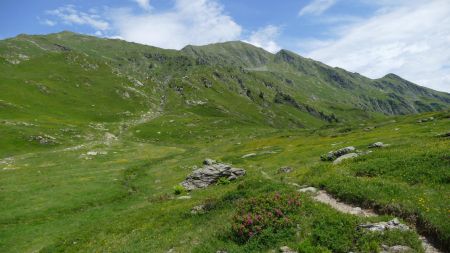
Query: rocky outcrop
x,y
383,226
210,174
43,139
396,249
333,155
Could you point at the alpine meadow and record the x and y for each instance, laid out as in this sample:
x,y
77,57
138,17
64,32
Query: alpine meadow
x,y
114,146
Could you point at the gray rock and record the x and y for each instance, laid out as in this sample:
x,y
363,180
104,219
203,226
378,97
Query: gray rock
x,y
396,249
200,209
208,161
43,139
286,249
333,155
308,189
210,174
425,120
378,145
285,170
345,157
383,226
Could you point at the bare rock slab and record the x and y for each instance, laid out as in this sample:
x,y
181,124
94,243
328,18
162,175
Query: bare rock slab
x,y
209,174
333,155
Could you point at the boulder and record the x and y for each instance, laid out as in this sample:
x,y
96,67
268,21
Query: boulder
x,y
345,157
210,174
378,145
333,155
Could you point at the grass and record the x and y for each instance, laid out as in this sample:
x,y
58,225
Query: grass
x,y
124,201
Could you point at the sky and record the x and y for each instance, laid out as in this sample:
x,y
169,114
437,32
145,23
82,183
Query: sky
x,y
410,38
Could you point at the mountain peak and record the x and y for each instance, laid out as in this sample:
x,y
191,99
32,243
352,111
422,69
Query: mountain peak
x,y
231,52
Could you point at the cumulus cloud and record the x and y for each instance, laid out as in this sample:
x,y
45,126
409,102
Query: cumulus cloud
x,y
316,7
188,22
265,37
69,15
410,39
144,4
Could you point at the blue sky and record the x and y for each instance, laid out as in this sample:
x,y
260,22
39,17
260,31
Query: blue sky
x,y
408,37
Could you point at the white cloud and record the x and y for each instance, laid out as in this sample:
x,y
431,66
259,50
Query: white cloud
x,y
47,22
195,22
144,4
316,7
265,37
410,39
69,15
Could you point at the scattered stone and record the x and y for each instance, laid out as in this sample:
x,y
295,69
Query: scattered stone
x,y
345,157
396,249
248,155
184,197
208,161
308,189
109,138
43,139
285,170
425,120
94,153
368,129
195,102
378,145
286,249
221,251
210,174
200,209
382,226
333,155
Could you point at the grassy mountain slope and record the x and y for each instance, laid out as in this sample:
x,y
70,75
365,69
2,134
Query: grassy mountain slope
x,y
97,132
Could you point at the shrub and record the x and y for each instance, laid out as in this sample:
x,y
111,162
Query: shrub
x,y
270,213
223,181
178,189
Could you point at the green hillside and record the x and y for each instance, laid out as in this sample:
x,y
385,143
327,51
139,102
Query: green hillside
x,y
97,134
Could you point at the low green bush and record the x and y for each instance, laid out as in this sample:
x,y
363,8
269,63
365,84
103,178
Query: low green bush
x,y
178,189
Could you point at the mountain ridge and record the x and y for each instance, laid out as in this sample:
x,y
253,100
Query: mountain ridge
x,y
281,89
